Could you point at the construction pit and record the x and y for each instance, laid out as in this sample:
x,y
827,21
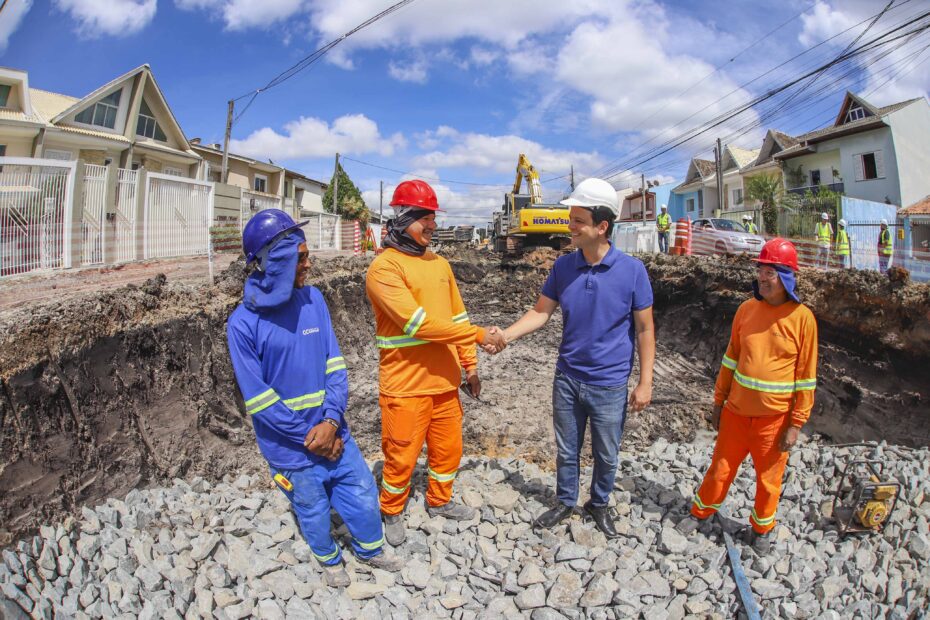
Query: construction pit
x,y
131,485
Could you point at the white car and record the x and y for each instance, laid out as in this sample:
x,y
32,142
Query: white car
x,y
723,237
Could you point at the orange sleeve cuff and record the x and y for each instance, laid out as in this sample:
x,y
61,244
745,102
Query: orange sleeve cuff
x,y
479,334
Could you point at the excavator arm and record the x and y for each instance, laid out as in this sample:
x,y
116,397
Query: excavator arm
x,y
526,170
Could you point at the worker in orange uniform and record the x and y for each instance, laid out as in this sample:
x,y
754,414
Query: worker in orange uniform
x,y
425,341
765,390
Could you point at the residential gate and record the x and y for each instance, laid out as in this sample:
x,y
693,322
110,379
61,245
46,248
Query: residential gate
x,y
124,245
35,214
93,214
178,214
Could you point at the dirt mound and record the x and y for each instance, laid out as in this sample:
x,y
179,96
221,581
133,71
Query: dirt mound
x,y
109,391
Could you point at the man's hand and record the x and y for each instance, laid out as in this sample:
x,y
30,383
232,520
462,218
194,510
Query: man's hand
x,y
494,341
789,438
641,396
715,417
336,452
474,383
320,439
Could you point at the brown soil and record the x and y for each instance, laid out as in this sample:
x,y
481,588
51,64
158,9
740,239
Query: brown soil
x,y
102,392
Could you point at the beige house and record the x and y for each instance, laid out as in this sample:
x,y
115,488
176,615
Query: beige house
x,y
126,121
302,193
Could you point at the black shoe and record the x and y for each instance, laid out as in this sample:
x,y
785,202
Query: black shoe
x,y
761,543
553,516
602,519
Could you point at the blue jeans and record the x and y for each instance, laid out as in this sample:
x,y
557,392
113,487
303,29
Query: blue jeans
x,y
348,486
663,242
573,404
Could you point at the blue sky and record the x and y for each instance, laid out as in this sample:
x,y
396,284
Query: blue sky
x,y
455,89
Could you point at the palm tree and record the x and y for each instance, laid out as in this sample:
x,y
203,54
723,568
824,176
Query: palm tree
x,y
767,189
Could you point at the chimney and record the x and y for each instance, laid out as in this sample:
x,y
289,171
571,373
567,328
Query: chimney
x,y
195,140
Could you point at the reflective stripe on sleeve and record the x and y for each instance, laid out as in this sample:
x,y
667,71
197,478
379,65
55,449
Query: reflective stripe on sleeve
x,y
335,363
397,342
729,362
306,401
460,318
415,322
805,385
262,401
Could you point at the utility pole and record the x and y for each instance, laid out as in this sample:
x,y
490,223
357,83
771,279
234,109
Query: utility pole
x,y
336,185
718,156
229,123
643,180
573,177
381,206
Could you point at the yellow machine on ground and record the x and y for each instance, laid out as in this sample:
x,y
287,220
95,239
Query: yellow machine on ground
x,y
524,220
864,499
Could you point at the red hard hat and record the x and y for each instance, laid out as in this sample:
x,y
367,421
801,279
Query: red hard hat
x,y
779,251
415,193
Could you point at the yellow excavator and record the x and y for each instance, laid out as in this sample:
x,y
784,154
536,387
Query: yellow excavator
x,y
524,220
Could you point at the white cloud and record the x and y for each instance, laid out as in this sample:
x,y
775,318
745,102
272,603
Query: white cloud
x,y
312,137
412,72
246,14
109,17
499,154
11,18
899,76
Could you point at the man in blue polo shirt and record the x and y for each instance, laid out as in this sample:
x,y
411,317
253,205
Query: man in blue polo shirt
x,y
606,301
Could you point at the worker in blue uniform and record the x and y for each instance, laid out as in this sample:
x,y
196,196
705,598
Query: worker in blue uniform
x,y
295,388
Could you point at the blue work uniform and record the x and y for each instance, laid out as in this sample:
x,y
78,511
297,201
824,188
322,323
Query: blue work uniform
x,y
292,375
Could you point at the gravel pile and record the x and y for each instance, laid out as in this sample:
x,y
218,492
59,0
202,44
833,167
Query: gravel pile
x,y
232,550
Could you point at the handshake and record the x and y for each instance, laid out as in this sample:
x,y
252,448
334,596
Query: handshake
x,y
494,341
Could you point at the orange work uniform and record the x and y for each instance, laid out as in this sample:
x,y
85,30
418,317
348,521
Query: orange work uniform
x,y
425,341
766,383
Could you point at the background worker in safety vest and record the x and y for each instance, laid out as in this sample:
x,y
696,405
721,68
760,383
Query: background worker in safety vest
x,y
765,390
295,387
842,245
425,342
606,301
885,246
751,227
824,236
663,224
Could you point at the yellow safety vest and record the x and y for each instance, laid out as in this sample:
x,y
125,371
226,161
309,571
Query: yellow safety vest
x,y
823,234
884,243
751,228
664,222
842,243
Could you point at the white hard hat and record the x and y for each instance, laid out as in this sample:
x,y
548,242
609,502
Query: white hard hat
x,y
747,217
592,193
664,207
884,222
824,216
842,223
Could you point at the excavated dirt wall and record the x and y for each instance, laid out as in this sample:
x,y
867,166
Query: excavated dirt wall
x,y
105,392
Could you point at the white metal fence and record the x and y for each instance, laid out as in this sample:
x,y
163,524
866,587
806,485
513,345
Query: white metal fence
x,y
127,187
178,214
322,231
93,215
35,219
253,202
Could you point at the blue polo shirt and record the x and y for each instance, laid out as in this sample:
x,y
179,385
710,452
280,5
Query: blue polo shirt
x,y
598,333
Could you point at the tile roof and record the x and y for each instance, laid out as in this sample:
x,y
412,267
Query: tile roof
x,y
16,115
921,207
704,166
743,157
868,122
49,105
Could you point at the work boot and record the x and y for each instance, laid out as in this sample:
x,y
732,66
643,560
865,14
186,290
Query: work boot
x,y
335,575
553,516
394,530
452,511
761,543
385,561
602,519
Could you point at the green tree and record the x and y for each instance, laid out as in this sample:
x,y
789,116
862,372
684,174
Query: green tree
x,y
349,202
767,189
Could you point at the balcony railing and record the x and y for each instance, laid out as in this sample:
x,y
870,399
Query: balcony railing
x,y
815,189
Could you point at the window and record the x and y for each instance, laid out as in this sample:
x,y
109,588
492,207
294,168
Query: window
x,y
815,177
689,205
2,150
287,189
173,171
260,184
738,196
854,114
214,173
869,166
102,113
147,126
4,94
